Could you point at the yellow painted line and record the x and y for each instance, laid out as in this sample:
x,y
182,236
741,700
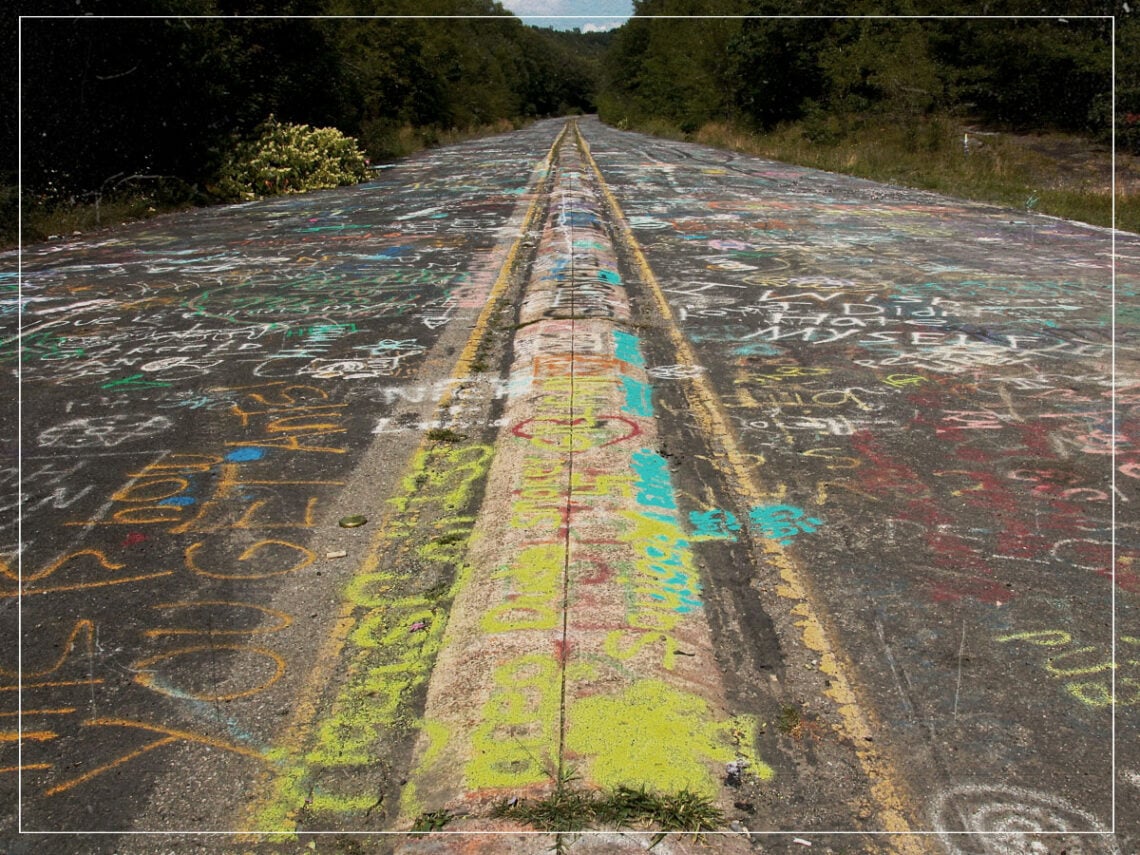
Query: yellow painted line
x,y
858,723
467,357
306,705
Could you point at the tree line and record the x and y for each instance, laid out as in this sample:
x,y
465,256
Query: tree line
x,y
1012,68
109,102
167,96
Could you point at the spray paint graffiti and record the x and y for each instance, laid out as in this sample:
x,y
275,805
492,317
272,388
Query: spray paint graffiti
x,y
933,422
1005,819
596,594
200,387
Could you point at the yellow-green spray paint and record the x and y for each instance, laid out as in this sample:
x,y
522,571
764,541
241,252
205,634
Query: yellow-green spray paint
x,y
392,640
570,646
656,734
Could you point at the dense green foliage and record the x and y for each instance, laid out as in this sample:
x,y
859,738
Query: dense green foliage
x,y
159,105
436,74
1020,72
116,102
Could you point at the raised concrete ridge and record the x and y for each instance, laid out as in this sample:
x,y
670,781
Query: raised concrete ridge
x,y
582,649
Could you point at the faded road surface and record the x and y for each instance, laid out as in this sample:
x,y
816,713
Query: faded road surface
x,y
750,486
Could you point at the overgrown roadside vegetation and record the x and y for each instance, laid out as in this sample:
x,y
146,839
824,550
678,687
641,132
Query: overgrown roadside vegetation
x,y
1004,101
123,118
1063,175
997,103
47,218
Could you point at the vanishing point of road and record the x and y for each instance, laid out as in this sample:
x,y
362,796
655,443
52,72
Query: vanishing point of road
x,y
573,461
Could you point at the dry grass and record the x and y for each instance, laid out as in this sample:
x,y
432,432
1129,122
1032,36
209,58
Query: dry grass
x,y
1053,174
43,222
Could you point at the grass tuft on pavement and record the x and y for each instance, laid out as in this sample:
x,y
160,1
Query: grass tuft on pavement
x,y
428,822
574,808
445,435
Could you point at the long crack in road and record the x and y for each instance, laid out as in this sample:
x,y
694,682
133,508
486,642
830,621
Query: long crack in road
x,y
798,502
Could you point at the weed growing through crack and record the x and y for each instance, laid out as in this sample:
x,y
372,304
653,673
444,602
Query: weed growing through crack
x,y
792,723
789,721
445,435
433,821
572,808
680,811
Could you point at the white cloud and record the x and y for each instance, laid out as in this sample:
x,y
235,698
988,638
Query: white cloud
x,y
536,7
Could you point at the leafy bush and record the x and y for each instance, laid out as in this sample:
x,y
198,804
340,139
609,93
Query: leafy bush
x,y
288,158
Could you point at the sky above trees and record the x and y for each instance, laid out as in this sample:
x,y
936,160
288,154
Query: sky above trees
x,y
585,15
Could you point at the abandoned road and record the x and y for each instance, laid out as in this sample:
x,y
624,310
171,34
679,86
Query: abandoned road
x,y
573,467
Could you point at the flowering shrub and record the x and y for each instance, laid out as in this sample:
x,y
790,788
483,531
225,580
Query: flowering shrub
x,y
287,158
